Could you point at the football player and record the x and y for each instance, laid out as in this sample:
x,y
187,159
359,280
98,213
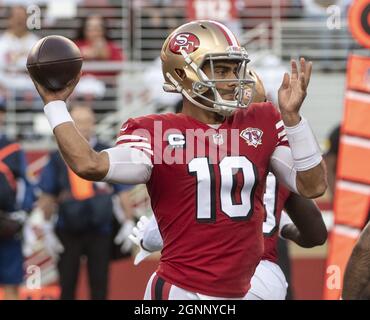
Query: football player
x,y
205,168
268,281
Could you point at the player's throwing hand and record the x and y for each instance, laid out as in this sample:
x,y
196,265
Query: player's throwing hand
x,y
63,94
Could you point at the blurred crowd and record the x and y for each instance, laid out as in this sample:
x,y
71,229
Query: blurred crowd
x,y
138,35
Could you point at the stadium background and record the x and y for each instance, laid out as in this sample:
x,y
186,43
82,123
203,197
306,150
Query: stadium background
x,y
273,33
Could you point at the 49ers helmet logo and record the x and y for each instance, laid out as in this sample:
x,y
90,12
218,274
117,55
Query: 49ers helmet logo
x,y
186,41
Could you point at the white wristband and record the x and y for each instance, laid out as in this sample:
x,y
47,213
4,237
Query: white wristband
x,y
56,112
305,149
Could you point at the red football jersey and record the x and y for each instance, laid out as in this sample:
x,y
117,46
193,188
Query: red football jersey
x,y
274,200
206,190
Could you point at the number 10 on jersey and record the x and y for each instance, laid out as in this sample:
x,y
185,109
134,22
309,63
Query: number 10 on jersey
x,y
228,171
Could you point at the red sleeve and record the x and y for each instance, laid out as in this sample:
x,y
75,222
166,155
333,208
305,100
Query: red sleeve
x,y
272,122
279,129
134,134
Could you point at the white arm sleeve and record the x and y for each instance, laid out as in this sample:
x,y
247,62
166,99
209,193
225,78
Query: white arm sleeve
x,y
128,165
282,166
152,239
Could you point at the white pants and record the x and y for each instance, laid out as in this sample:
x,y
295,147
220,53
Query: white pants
x,y
268,283
158,289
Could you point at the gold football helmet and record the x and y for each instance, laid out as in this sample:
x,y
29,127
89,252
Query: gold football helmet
x,y
185,52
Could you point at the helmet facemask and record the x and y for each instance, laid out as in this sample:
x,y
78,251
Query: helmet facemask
x,y
205,89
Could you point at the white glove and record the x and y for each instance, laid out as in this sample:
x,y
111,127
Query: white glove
x,y
52,244
122,237
20,216
137,237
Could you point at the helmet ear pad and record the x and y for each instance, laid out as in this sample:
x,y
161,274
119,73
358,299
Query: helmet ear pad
x,y
181,73
190,80
188,74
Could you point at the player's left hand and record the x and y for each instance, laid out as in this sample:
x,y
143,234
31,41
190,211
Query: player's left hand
x,y
293,91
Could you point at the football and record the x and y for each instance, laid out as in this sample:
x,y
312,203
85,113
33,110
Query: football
x,y
54,61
